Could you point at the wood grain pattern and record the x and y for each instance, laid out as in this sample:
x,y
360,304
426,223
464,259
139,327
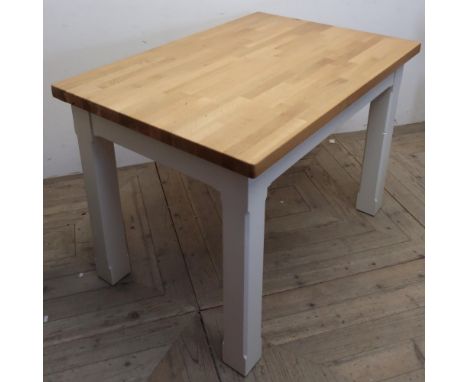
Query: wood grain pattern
x,y
242,94
343,292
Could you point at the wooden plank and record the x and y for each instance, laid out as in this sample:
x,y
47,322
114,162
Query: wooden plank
x,y
113,344
285,201
272,367
418,127
70,266
96,299
419,347
208,219
342,289
175,278
205,279
359,310
129,367
365,337
59,243
72,284
65,205
310,194
234,94
188,359
306,271
412,376
145,269
378,365
134,312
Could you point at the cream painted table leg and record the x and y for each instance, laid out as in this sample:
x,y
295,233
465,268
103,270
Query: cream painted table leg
x,y
243,242
100,175
377,149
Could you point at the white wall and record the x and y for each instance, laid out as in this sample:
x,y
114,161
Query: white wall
x,y
83,34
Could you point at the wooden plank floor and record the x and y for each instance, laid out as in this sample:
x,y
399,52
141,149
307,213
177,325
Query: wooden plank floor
x,y
343,291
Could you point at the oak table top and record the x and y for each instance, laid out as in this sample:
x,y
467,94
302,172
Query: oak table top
x,y
244,93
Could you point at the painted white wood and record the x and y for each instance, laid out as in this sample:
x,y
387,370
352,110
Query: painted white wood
x,y
377,149
100,176
243,205
243,241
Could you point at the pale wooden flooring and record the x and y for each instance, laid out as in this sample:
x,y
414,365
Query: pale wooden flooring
x,y
344,292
